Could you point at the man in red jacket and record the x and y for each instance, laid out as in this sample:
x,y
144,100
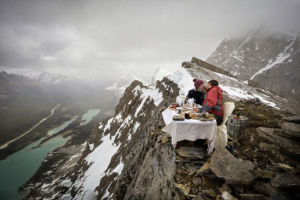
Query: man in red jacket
x,y
213,101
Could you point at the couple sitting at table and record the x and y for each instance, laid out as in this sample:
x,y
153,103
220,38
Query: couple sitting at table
x,y
209,96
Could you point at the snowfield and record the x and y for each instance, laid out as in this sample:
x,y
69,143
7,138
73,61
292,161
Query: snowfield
x,y
98,161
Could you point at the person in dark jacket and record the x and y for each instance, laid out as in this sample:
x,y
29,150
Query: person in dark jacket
x,y
213,101
198,94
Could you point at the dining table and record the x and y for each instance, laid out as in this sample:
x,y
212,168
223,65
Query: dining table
x,y
189,129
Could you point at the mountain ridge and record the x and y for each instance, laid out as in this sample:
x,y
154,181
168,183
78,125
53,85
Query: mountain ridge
x,y
128,156
271,60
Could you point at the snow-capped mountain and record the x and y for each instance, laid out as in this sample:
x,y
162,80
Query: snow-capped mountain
x,y
272,60
51,78
46,77
126,156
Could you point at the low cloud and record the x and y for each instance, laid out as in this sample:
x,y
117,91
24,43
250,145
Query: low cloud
x,y
109,38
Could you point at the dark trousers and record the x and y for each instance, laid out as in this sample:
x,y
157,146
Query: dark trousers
x,y
219,119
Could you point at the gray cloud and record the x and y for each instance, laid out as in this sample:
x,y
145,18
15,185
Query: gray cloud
x,y
112,37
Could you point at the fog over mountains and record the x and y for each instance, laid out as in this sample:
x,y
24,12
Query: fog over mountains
x,y
84,85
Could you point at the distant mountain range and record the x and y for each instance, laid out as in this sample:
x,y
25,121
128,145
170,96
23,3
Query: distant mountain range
x,y
52,78
271,60
25,100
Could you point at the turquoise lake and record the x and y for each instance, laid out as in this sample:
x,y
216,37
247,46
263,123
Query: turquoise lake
x,y
88,116
19,167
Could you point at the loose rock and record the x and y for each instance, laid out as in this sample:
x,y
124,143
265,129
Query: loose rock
x,y
234,171
285,180
228,196
252,197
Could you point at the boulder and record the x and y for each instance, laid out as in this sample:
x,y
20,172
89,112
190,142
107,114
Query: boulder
x,y
285,180
289,146
228,196
291,129
235,171
294,119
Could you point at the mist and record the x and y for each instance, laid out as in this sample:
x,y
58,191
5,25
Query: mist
x,y
106,39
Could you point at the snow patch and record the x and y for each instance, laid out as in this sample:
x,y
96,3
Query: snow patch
x,y
98,160
66,183
146,93
136,126
282,56
107,126
237,94
91,146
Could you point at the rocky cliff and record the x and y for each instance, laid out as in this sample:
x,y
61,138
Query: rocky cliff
x,y
128,156
272,60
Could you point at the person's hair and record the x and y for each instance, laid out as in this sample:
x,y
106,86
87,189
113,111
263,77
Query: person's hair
x,y
213,83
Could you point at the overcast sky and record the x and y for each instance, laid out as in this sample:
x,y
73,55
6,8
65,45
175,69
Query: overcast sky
x,y
109,38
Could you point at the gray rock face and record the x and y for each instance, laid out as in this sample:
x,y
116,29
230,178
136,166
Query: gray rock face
x,y
291,129
289,147
156,171
234,171
285,180
269,59
295,119
142,166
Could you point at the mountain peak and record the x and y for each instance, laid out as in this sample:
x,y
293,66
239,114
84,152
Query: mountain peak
x,y
261,57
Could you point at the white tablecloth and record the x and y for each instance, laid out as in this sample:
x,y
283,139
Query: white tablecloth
x,y
189,129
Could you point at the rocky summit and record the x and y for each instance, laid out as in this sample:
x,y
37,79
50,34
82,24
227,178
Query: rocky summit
x,y
128,156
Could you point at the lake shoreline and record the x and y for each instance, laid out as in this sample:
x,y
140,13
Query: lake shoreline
x,y
56,161
65,136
